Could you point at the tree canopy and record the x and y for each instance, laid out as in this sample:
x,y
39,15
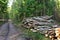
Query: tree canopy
x,y
3,9
28,8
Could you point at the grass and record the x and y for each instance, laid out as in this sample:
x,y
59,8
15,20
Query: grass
x,y
34,36
1,22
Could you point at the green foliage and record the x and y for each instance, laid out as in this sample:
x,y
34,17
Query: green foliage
x,y
33,35
50,5
3,7
27,8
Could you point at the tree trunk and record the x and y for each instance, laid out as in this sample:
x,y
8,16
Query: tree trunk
x,y
57,16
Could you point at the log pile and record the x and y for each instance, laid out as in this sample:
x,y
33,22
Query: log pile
x,y
41,24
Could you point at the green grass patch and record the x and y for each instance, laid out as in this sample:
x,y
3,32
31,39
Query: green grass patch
x,y
1,22
33,35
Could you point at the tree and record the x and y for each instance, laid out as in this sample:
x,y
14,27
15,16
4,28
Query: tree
x,y
3,7
57,10
27,8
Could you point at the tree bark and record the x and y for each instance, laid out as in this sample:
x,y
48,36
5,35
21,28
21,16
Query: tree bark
x,y
57,16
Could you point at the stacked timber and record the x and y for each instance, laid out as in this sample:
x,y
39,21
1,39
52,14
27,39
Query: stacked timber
x,y
42,23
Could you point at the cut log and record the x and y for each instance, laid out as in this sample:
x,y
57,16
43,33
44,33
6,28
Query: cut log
x,y
47,17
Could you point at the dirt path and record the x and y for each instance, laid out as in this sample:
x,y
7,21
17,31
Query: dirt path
x,y
4,31
8,32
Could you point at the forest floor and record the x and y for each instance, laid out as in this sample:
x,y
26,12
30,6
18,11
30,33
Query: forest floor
x,y
32,35
9,32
